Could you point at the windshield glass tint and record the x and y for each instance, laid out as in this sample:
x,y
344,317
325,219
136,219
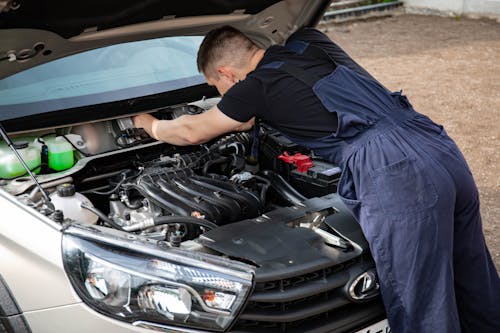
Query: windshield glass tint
x,y
108,74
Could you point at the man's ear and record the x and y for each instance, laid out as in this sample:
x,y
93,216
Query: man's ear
x,y
227,72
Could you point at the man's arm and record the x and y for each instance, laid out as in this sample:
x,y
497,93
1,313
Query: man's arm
x,y
191,129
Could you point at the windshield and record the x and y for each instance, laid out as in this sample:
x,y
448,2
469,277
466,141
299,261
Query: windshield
x,y
104,75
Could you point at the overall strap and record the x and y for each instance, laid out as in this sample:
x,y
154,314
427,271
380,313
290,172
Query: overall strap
x,y
309,50
299,73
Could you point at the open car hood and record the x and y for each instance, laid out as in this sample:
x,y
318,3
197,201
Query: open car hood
x,y
33,32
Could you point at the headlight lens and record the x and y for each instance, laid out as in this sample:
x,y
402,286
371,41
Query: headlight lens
x,y
138,287
107,285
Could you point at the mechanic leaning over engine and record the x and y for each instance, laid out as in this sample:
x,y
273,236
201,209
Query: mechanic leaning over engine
x,y
404,179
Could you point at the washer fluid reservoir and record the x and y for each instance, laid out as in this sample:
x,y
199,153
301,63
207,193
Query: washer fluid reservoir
x,y
60,153
11,167
70,202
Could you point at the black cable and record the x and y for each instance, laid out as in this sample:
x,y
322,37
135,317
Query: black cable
x,y
102,216
109,192
184,219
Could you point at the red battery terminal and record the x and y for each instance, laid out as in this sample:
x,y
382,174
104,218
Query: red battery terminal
x,y
303,162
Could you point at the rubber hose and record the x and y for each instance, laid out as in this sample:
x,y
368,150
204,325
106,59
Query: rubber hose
x,y
102,216
184,219
210,163
283,188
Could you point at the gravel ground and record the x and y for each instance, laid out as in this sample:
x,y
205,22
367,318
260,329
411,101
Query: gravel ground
x,y
450,70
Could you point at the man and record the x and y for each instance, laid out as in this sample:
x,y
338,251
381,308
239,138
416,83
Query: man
x,y
403,178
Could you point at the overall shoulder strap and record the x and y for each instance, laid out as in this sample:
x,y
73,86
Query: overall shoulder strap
x,y
297,72
309,50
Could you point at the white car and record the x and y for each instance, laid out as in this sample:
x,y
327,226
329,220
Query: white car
x,y
126,234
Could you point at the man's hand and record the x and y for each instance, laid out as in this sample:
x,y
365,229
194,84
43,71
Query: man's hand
x,y
191,129
246,126
146,122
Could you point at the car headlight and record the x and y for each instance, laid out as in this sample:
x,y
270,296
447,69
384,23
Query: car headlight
x,y
132,285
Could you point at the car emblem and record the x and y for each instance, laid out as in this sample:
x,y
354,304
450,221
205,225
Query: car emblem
x,y
364,287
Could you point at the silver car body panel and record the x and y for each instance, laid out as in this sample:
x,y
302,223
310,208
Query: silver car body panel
x,y
31,261
78,318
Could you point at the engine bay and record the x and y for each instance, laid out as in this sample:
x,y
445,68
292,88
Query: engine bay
x,y
188,196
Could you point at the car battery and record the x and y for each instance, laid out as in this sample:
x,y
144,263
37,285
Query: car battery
x,y
274,144
320,179
311,181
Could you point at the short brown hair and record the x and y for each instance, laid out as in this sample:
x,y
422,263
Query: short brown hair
x,y
223,44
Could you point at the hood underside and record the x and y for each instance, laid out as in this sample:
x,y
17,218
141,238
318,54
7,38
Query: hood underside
x,y
33,32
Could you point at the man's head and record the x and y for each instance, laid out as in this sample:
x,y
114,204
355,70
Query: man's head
x,y
226,56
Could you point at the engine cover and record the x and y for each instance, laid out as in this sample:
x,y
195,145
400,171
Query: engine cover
x,y
187,194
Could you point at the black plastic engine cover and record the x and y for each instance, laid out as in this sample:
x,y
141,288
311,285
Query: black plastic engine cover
x,y
218,201
272,245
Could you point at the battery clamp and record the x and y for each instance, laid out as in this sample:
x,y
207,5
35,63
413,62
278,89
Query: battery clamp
x,y
303,162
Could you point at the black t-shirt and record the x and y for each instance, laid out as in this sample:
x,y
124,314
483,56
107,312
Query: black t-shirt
x,y
282,101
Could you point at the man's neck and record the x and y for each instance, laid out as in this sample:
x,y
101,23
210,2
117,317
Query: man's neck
x,y
256,58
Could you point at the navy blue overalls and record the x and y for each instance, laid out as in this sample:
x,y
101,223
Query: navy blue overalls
x,y
413,194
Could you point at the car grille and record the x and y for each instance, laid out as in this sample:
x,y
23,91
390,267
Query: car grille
x,y
312,302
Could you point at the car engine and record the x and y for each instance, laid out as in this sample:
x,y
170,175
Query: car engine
x,y
208,187
125,180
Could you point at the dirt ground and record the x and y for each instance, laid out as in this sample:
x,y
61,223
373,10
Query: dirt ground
x,y
450,70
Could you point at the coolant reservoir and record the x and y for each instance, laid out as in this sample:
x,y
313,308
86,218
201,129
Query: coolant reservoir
x,y
11,167
70,202
60,153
